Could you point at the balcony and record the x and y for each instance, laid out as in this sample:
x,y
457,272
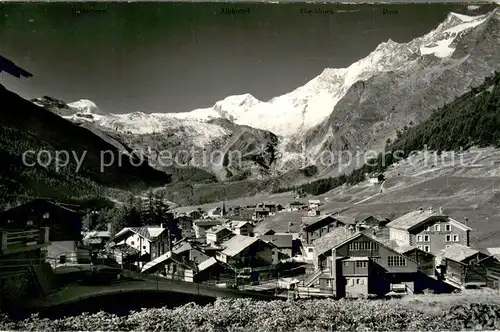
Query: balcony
x,y
14,241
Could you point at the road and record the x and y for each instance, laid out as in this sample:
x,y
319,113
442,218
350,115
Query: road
x,y
75,292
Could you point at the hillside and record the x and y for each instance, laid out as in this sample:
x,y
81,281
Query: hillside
x,y
26,126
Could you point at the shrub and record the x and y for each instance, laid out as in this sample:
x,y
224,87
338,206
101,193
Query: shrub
x,y
302,315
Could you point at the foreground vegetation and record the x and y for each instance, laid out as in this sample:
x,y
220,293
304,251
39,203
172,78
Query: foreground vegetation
x,y
306,315
472,119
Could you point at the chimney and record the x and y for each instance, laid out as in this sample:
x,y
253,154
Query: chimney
x,y
466,221
161,225
440,210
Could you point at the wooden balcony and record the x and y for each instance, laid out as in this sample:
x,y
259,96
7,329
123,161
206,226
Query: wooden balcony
x,y
14,241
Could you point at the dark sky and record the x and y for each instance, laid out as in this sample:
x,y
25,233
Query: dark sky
x,y
168,57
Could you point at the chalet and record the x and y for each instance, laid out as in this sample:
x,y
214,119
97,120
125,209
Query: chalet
x,y
217,233
315,227
314,204
97,239
149,241
295,206
362,265
465,266
272,207
260,213
185,224
374,221
284,242
428,230
194,214
244,228
124,254
245,251
202,225
171,266
65,228
214,270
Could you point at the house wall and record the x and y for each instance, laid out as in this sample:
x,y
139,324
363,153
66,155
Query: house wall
x,y
246,230
455,271
160,245
355,268
437,239
356,286
138,242
380,254
319,229
60,248
211,237
400,236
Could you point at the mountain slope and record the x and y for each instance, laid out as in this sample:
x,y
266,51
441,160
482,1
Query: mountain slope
x,y
458,55
352,109
26,127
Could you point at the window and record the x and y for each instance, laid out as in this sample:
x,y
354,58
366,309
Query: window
x,y
329,283
29,223
437,227
419,238
447,227
447,246
419,247
143,247
375,259
346,264
357,281
427,238
361,264
310,250
448,238
428,228
427,248
132,243
46,215
354,246
396,261
455,238
361,281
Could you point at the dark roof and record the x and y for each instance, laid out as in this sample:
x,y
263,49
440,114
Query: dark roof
x,y
10,67
331,239
310,221
279,240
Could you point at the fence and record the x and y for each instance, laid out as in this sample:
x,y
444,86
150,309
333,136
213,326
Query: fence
x,y
15,240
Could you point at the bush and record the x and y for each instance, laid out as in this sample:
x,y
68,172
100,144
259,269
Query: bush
x,y
310,315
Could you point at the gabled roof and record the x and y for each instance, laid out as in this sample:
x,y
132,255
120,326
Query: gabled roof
x,y
148,233
413,219
155,263
217,229
237,244
310,221
389,244
458,252
206,264
242,223
346,220
279,240
331,239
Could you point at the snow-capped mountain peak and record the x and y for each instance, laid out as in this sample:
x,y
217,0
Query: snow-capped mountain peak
x,y
84,106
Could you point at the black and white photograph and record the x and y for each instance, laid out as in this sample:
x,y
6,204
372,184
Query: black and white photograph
x,y
249,166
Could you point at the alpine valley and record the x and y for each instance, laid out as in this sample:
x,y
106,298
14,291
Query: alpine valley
x,y
358,108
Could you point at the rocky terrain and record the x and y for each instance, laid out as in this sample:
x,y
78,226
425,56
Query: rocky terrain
x,y
351,109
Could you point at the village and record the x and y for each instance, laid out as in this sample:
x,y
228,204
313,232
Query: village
x,y
294,250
